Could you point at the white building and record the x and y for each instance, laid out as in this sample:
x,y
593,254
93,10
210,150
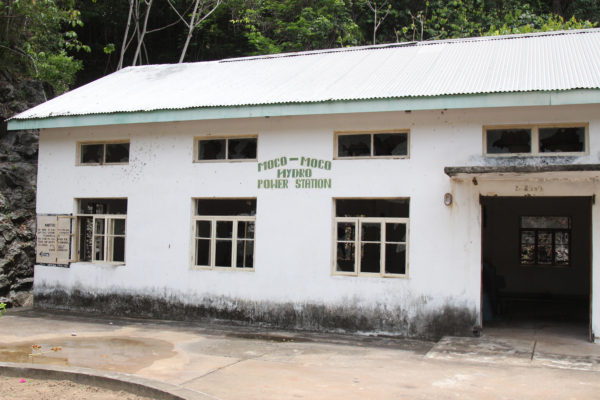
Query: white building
x,y
405,188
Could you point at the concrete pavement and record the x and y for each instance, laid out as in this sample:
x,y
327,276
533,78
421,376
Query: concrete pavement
x,y
213,360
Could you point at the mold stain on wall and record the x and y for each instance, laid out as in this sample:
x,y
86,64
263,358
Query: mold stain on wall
x,y
423,323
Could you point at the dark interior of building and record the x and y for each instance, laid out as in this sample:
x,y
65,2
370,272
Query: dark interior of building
x,y
536,256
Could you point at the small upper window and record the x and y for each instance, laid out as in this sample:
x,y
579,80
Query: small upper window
x,y
368,145
536,140
226,149
104,153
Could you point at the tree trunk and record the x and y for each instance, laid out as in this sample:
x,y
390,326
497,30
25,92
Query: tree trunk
x,y
125,36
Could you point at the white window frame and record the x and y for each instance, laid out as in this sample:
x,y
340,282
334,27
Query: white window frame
x,y
357,241
226,138
535,140
372,135
107,248
103,143
213,241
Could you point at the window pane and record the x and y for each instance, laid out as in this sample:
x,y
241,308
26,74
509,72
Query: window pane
x,y
561,237
346,231
544,249
527,247
118,249
224,229
528,237
370,257
103,206
211,149
504,141
202,252
395,232
383,208
562,254
85,238
203,229
117,153
395,258
92,153
242,148
223,253
370,231
527,253
390,144
99,248
354,145
544,222
245,229
99,229
564,140
117,227
245,254
226,207
345,257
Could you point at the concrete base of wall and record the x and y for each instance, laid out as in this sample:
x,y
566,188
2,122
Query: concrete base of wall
x,y
428,324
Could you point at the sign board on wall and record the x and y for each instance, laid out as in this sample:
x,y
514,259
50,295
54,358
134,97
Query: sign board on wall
x,y
295,172
53,236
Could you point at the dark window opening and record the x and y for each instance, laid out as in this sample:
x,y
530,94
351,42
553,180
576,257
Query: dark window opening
x,y
242,149
92,153
104,153
103,206
226,207
211,149
227,149
373,145
117,153
562,140
376,208
390,144
354,145
505,141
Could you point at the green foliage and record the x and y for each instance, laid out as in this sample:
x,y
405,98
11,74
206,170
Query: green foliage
x,y
36,36
538,23
294,25
2,308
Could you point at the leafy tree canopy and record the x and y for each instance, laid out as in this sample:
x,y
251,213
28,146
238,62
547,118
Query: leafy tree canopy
x,y
38,38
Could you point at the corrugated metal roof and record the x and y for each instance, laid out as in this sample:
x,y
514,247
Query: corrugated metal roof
x,y
516,63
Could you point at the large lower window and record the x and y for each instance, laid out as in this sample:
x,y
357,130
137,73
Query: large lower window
x,y
100,226
223,233
371,237
545,240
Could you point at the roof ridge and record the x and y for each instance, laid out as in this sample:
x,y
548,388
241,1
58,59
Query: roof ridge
x,y
410,44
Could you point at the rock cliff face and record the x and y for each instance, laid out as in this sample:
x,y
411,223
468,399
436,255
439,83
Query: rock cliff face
x,y
18,169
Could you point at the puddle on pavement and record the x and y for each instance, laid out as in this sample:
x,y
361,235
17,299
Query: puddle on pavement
x,y
113,354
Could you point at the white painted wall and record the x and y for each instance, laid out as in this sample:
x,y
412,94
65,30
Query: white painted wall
x,y
293,258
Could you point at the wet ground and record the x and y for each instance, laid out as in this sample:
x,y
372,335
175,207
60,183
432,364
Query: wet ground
x,y
226,361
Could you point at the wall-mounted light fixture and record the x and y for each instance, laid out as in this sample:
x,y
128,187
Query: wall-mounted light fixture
x,y
448,199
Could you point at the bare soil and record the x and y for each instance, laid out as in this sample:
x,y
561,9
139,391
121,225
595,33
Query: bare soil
x,y
46,389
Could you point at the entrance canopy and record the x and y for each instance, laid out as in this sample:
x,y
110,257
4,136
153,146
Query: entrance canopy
x,y
557,171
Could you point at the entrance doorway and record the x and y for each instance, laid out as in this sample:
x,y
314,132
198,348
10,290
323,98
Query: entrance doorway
x,y
536,261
